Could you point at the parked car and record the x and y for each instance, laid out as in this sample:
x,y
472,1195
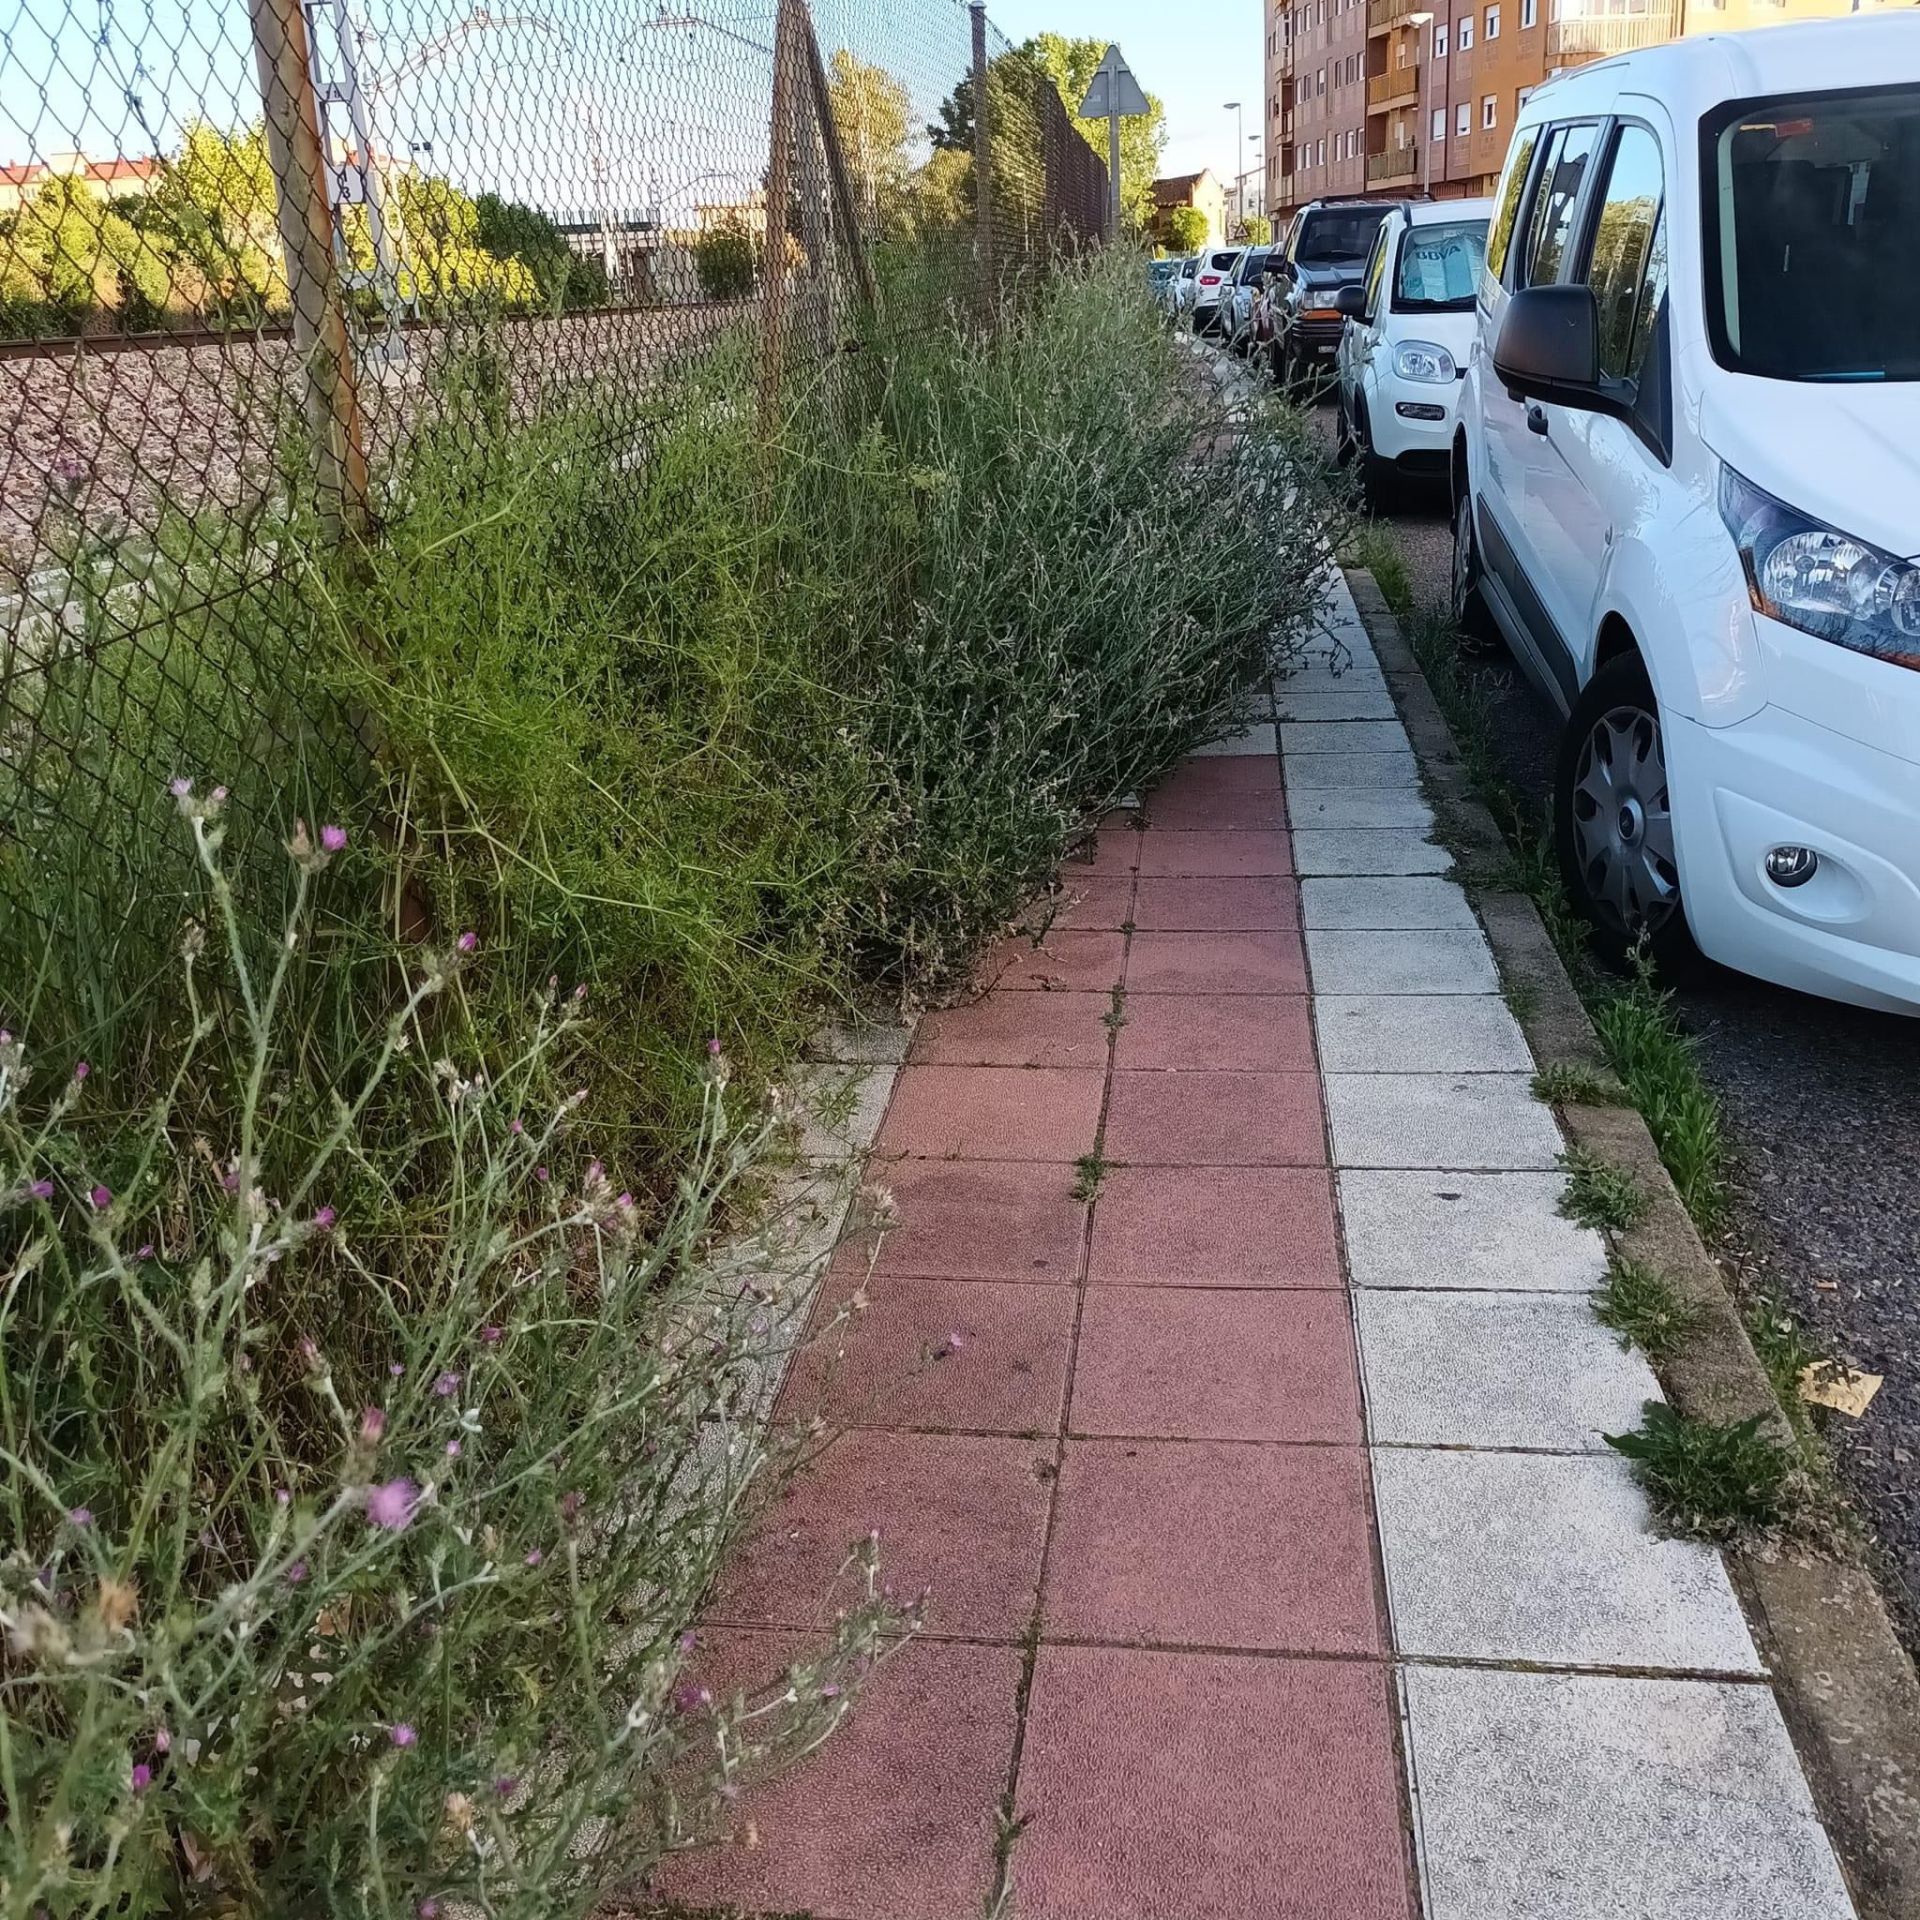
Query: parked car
x,y
1326,248
1687,491
1162,278
1181,302
1213,269
1403,352
1241,292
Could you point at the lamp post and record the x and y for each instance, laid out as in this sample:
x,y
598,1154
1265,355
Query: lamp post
x,y
1420,22
1239,179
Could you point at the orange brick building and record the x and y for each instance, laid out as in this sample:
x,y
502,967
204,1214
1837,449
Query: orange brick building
x,y
1400,97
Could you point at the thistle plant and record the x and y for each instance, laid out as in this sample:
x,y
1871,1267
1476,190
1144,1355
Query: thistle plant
x,y
365,1464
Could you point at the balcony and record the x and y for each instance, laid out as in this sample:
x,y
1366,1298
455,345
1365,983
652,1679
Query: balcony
x,y
1576,38
1384,15
1397,163
1397,87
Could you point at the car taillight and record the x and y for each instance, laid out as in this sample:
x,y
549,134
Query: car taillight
x,y
1209,279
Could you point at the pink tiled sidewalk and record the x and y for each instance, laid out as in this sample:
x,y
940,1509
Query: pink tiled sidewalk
x,y
1121,1442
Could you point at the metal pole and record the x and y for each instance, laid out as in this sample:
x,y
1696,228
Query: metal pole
x,y
298,160
982,157
1113,167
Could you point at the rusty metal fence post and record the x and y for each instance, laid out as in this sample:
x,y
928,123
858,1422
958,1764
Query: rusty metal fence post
x,y
983,161
298,159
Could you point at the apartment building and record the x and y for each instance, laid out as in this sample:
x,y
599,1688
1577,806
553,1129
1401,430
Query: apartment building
x,y
1411,97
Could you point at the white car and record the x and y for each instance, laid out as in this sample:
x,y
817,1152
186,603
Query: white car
x,y
1241,296
1212,270
1404,349
1687,490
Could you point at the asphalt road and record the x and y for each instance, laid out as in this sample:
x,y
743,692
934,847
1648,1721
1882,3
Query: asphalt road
x,y
1822,1107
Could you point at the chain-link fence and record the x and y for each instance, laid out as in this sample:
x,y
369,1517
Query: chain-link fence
x,y
253,252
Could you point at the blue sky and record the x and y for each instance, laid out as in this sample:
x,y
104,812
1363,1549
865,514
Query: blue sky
x,y
1193,53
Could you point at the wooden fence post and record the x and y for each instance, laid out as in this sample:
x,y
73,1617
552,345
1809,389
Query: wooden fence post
x,y
783,125
297,154
983,162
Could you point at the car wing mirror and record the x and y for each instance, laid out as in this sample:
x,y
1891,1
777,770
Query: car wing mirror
x,y
1351,301
1548,348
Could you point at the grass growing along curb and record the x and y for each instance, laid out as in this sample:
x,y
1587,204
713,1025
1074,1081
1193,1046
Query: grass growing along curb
x,y
1643,1306
1714,1481
1567,1083
1603,1197
1646,1046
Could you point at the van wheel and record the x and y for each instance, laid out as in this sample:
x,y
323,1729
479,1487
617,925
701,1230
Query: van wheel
x,y
1613,819
1472,619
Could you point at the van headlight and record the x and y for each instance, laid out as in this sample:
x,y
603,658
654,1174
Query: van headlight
x,y
1824,582
1422,360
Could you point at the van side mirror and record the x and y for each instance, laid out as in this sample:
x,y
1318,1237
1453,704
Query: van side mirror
x,y
1351,301
1548,349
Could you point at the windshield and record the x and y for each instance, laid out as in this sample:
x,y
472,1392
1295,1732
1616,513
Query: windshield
x,y
1345,235
1440,267
1252,266
1222,261
1813,235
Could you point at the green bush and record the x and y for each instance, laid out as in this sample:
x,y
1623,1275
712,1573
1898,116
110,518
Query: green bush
x,y
367,1461
727,258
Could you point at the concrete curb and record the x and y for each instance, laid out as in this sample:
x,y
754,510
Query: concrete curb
x,y
1845,1684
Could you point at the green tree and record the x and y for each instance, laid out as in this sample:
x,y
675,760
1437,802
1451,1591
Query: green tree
x,y
73,252
511,231
873,115
726,258
1185,229
215,213
1071,65
1258,229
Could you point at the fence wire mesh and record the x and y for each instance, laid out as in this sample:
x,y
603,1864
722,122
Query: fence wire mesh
x,y
254,252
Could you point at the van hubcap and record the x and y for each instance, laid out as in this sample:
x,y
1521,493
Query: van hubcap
x,y
1623,823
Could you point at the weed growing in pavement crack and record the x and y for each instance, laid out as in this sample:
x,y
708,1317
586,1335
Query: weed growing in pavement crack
x,y
1716,1481
1643,1306
1604,1197
1089,1175
1115,1016
1566,1083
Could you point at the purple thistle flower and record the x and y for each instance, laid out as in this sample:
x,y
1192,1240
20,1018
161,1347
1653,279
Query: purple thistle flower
x,y
540,1173
491,1335
401,1734
516,1129
144,1251
142,1777
218,796
42,1189
713,1048
323,1218
428,1909
373,1425
688,1641
102,1198
446,1386
333,839
282,1497
687,1696
81,1069
81,1517
830,1691
391,1504
162,1740
297,1573
468,941
309,1352
396,1369
570,1505
180,787
535,1557
506,1786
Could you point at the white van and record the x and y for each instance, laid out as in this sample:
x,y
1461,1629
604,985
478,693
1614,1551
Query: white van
x,y
1409,332
1687,490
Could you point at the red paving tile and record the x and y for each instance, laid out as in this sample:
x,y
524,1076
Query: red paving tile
x,y
979,1354
1115,851
1062,963
1216,854
1272,962
960,1517
1017,1030
1200,1544
1161,1786
971,1220
895,1818
1215,1120
1216,906
1214,1227
1188,1363
1219,796
994,1113
1099,904
1254,1032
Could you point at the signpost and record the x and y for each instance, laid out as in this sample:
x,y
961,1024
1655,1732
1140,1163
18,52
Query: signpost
x,y
1114,95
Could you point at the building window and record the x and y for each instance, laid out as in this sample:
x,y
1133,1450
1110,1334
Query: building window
x,y
1465,41
1520,100
1440,40
1529,13
1493,23
1439,123
1489,113
1463,120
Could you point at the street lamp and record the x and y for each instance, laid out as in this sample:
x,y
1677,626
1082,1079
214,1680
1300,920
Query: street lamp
x,y
1239,190
1420,22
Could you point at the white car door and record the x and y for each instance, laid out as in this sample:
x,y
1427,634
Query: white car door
x,y
1360,339
1527,496
1603,474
